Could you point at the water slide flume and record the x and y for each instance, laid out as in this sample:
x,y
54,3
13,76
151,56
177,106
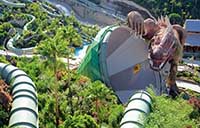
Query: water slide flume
x,y
10,43
29,51
186,85
46,8
139,106
12,4
24,112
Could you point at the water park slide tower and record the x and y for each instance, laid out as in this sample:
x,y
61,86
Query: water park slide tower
x,y
120,60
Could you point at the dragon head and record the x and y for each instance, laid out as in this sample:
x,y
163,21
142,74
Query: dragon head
x,y
162,45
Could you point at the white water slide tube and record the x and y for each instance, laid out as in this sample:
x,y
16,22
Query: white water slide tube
x,y
24,112
21,51
137,110
17,5
9,44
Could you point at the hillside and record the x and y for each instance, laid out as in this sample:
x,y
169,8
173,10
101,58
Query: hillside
x,y
177,10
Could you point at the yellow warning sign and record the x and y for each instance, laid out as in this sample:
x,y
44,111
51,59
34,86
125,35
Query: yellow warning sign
x,y
136,68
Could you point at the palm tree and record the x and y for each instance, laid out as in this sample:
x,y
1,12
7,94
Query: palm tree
x,y
52,49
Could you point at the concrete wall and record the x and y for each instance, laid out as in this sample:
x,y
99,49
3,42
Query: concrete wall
x,y
90,13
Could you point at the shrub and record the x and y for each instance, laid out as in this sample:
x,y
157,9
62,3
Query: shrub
x,y
79,121
170,113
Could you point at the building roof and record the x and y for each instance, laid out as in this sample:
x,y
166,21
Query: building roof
x,y
193,39
192,25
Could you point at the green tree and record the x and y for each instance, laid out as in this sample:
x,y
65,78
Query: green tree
x,y
52,49
103,98
169,113
4,117
185,8
4,31
175,18
73,37
79,121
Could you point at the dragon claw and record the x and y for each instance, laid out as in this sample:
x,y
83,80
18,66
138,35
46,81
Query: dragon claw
x,y
173,91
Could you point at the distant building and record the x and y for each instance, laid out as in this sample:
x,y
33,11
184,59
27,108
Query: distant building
x,y
192,46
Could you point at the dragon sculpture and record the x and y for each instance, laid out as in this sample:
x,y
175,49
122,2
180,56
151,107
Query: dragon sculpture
x,y
166,44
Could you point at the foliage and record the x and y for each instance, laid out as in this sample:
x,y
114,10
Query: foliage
x,y
42,27
178,9
3,59
47,109
170,113
195,102
116,115
36,10
4,31
79,121
52,47
175,18
189,76
32,66
83,115
4,116
103,99
73,37
89,32
45,26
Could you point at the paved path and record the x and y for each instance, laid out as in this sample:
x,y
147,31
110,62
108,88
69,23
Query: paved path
x,y
193,63
188,85
74,63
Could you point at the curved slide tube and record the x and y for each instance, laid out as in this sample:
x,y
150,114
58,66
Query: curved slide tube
x,y
9,44
18,5
28,51
24,112
27,24
21,51
48,12
138,108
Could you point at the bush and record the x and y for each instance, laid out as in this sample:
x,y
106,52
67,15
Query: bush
x,y
115,117
170,113
79,121
4,29
4,116
175,18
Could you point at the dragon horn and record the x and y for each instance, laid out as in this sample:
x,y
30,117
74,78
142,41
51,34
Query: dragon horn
x,y
162,19
159,20
167,20
168,23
